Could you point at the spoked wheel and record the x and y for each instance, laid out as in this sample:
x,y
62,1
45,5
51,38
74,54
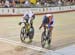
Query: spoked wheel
x,y
49,42
49,39
22,34
46,38
31,34
43,40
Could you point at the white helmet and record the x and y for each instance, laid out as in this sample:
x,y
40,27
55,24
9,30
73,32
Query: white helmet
x,y
31,13
49,15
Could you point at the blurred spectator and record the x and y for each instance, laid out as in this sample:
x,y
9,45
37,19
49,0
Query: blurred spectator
x,y
67,2
42,2
35,3
59,2
17,1
13,4
10,1
27,3
38,4
7,4
22,1
0,3
72,2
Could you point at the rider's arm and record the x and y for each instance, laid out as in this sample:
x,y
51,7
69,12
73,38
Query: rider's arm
x,y
42,22
33,16
50,19
22,20
41,26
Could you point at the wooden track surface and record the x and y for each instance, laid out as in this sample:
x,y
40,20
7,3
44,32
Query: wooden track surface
x,y
63,33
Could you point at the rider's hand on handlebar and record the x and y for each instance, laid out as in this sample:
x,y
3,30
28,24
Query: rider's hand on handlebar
x,y
19,23
39,28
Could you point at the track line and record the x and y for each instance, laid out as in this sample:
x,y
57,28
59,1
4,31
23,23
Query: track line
x,y
24,45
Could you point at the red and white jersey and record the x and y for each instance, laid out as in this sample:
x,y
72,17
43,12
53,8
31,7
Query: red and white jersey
x,y
51,19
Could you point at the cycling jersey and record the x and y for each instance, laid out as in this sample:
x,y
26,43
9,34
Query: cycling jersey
x,y
46,21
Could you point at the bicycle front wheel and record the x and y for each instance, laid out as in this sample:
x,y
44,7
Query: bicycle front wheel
x,y
22,38
43,40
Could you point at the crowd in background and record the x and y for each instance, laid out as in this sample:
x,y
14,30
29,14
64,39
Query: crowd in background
x,y
35,3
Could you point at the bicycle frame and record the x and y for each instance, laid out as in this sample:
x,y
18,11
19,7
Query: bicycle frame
x,y
27,26
46,37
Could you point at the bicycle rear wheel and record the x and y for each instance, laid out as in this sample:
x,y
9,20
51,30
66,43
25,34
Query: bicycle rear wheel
x,y
49,39
31,33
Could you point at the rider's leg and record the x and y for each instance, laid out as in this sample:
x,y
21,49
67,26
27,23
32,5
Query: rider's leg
x,y
50,34
26,20
50,29
44,29
31,26
31,22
